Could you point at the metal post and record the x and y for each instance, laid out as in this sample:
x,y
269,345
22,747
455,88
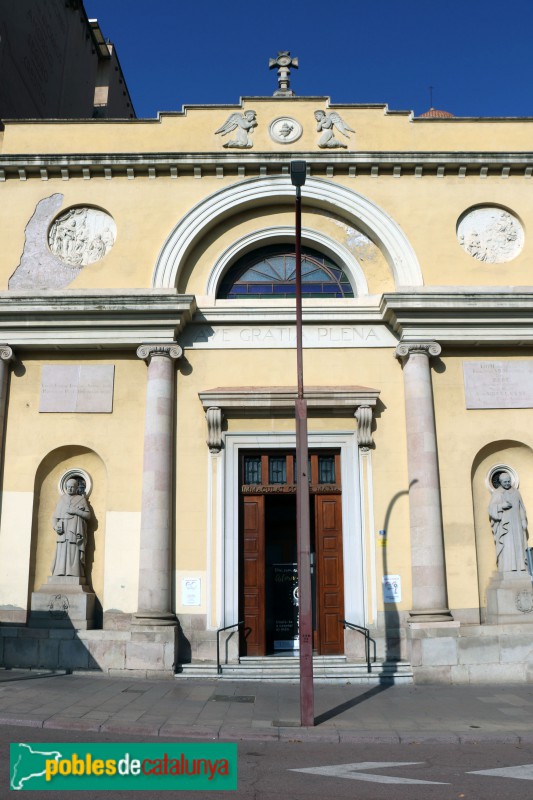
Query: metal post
x,y
307,713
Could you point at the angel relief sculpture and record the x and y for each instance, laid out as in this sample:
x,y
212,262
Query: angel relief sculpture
x,y
243,125
327,124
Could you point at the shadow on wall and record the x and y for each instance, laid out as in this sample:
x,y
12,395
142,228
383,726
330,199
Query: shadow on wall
x,y
503,453
46,645
391,613
50,643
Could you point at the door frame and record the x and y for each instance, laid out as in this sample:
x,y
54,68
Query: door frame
x,y
227,571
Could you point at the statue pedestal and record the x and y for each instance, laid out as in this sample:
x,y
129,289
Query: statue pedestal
x,y
63,602
509,598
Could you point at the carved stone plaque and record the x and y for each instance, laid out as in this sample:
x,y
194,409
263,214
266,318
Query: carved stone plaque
x,y
490,234
77,388
82,236
267,337
498,384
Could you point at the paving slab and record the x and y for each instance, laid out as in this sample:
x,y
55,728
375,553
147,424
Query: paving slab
x,y
187,709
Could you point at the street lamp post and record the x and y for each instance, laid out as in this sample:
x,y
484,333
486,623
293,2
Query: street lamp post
x,y
307,714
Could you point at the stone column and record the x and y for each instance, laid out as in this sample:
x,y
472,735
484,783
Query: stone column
x,y
430,601
154,607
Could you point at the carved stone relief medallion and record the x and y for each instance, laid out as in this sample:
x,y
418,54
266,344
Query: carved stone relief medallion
x,y
524,601
58,606
285,130
82,236
490,234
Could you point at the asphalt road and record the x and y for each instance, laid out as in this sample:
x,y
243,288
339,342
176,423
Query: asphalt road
x,y
271,770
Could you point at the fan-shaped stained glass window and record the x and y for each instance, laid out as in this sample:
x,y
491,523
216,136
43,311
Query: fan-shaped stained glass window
x,y
269,273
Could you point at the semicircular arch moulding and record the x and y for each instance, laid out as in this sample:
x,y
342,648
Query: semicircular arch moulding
x,y
255,192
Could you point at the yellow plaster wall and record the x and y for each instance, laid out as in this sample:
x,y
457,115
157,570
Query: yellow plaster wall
x,y
146,211
31,435
122,549
195,273
461,434
372,368
427,209
117,441
15,551
194,131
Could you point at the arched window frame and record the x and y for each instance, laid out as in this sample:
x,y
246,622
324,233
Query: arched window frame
x,y
269,273
332,249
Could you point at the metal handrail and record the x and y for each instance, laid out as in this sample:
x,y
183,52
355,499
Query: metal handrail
x,y
368,639
219,631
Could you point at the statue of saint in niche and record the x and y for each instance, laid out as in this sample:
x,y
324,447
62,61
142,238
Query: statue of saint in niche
x,y
509,526
70,524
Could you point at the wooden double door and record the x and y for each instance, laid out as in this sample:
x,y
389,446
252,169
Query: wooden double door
x,y
268,588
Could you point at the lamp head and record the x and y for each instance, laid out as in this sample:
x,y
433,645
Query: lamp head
x,y
298,173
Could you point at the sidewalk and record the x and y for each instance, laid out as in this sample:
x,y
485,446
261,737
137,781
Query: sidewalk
x,y
229,710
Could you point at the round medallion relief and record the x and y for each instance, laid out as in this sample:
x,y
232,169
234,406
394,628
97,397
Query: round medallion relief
x,y
490,234
285,130
492,481
85,483
82,236
524,601
58,606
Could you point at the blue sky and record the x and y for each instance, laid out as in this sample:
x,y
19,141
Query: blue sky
x,y
477,54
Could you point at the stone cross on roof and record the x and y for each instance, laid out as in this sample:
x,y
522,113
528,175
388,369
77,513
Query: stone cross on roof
x,y
283,62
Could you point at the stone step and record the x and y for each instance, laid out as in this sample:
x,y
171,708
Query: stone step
x,y
331,669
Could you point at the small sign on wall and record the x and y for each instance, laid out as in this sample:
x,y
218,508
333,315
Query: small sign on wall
x,y
191,591
392,589
382,538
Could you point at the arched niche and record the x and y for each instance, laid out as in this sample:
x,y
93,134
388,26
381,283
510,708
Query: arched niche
x,y
503,453
46,494
257,193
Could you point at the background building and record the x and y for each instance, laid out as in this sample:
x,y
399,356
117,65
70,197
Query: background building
x,y
56,64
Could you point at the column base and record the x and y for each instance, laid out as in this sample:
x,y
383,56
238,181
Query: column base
x,y
153,647
429,615
154,619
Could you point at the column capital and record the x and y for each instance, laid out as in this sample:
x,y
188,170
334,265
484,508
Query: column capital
x,y
407,349
6,353
148,351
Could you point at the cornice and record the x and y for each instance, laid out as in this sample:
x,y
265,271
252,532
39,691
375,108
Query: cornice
x,y
99,320
280,399
115,319
343,312
459,316
173,164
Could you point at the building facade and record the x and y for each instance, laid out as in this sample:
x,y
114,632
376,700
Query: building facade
x,y
56,64
147,314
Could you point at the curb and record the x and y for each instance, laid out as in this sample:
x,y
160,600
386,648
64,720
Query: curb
x,y
300,735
